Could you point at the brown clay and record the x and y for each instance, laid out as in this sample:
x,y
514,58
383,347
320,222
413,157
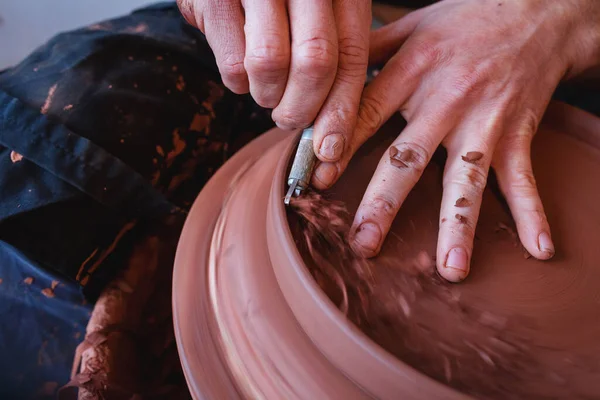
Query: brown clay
x,y
252,322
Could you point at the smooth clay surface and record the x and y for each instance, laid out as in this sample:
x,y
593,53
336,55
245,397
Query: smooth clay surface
x,y
517,327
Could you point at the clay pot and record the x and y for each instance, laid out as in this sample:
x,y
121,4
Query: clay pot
x,y
251,322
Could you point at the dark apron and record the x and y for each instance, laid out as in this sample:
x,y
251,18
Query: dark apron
x,y
106,128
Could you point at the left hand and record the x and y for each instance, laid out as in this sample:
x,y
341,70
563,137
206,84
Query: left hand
x,y
475,76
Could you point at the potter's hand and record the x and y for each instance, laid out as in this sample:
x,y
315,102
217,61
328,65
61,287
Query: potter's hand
x,y
475,76
306,59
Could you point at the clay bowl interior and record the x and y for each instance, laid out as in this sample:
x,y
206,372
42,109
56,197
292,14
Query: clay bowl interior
x,y
552,305
251,322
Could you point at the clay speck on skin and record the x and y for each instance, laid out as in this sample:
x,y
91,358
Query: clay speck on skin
x,y
461,218
472,157
401,159
462,202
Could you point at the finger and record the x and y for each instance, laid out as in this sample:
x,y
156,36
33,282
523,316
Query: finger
x,y
267,50
385,95
385,41
224,29
515,177
398,171
313,63
336,120
465,177
191,13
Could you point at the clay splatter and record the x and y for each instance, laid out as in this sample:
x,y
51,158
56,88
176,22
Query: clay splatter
x,y
401,159
461,218
48,102
139,28
178,147
15,157
28,280
180,83
49,293
462,202
472,157
54,285
68,107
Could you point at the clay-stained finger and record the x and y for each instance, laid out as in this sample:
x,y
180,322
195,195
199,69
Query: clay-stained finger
x,y
336,120
380,99
398,171
224,30
313,66
267,50
513,168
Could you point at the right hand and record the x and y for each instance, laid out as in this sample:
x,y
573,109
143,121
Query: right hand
x,y
306,59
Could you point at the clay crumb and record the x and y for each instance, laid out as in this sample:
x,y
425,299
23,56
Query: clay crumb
x,y
15,157
401,159
28,280
54,285
180,83
461,218
472,157
48,102
67,107
462,202
49,293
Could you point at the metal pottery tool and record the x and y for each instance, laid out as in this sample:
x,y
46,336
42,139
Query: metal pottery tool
x,y
302,167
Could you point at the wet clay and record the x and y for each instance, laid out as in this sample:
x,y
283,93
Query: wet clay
x,y
251,321
516,328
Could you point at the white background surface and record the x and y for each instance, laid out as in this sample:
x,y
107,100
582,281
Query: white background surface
x,y
26,24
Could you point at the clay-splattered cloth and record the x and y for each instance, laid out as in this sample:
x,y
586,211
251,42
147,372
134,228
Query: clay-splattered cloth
x,y
107,133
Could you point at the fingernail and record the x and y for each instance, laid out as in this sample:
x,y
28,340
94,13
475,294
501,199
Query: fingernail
x,y
326,173
368,236
457,259
332,146
545,243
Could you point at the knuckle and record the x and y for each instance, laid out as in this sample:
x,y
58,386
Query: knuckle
x,y
383,206
369,114
463,226
529,123
232,67
425,54
521,185
472,177
317,56
353,56
411,155
268,60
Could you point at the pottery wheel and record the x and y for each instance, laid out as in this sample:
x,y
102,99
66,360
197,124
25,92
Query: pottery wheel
x,y
250,321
